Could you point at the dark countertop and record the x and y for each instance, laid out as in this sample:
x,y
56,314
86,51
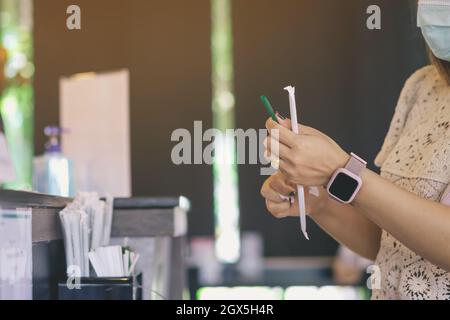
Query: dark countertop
x,y
31,199
152,203
39,200
132,217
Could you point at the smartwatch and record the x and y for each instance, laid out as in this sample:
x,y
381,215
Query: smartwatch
x,y
346,182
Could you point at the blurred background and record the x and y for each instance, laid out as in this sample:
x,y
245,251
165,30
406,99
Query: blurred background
x,y
182,57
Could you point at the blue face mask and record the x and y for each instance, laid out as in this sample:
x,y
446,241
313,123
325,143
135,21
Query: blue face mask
x,y
433,17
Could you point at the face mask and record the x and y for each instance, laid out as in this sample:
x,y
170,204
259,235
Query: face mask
x,y
433,17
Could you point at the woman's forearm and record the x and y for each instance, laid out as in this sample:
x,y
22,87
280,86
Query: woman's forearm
x,y
351,228
421,225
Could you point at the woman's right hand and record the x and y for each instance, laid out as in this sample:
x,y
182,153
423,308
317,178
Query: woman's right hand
x,y
277,189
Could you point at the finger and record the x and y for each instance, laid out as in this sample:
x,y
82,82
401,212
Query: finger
x,y
293,209
290,198
267,155
274,147
292,185
280,186
284,135
279,210
283,210
274,160
270,194
286,168
303,129
284,122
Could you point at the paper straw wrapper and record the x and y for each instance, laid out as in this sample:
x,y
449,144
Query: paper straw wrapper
x,y
300,189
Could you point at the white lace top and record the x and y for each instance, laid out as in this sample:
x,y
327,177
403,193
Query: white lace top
x,y
416,157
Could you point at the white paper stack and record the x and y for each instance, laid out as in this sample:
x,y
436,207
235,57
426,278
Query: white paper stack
x,y
86,225
109,207
113,261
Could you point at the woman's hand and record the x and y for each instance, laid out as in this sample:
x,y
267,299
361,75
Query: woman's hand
x,y
346,223
307,159
277,190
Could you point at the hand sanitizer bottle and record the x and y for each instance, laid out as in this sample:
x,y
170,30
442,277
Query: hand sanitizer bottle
x,y
53,171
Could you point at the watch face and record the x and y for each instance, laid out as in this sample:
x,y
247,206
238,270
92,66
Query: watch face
x,y
343,187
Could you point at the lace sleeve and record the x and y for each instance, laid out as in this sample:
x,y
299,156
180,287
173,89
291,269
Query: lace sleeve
x,y
408,98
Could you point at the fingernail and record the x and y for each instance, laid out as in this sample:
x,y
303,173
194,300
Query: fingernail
x,y
267,155
280,116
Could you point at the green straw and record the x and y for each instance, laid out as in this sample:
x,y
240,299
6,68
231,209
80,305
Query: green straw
x,y
269,108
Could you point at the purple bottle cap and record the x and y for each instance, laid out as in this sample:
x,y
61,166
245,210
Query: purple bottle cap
x,y
53,132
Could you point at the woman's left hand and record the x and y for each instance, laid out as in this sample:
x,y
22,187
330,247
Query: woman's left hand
x,y
307,159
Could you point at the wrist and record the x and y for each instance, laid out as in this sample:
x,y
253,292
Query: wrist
x,y
322,205
321,208
341,161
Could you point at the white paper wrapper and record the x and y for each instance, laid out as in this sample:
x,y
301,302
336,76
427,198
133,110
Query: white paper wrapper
x,y
300,189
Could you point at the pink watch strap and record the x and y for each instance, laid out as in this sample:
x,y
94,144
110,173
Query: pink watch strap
x,y
356,164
